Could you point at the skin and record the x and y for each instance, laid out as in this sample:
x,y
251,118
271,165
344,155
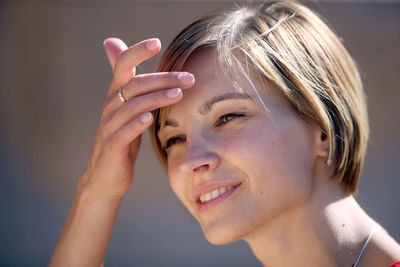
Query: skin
x,y
292,209
288,207
87,230
241,151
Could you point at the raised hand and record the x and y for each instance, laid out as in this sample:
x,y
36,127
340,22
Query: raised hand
x,y
117,141
125,117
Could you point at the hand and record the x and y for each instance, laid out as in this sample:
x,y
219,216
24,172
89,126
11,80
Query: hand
x,y
115,148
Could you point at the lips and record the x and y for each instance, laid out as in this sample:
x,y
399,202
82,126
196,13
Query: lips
x,y
212,193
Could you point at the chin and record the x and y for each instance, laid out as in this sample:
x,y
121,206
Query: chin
x,y
221,235
219,239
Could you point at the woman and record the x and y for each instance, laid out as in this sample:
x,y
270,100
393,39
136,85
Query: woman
x,y
267,145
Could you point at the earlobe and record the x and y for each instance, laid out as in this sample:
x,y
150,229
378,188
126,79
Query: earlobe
x,y
323,146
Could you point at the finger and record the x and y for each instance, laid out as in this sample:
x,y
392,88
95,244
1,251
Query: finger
x,y
146,83
130,58
123,137
139,105
113,47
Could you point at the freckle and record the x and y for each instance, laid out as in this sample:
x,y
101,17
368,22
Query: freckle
x,y
343,225
261,193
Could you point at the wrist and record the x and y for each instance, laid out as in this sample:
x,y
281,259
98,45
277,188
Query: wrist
x,y
87,190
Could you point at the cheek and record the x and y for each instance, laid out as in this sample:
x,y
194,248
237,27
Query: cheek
x,y
295,160
175,180
178,182
181,187
276,158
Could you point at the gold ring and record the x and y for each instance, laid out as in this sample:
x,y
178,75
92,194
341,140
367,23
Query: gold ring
x,y
121,95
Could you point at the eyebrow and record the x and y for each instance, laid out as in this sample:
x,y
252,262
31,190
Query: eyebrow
x,y
207,106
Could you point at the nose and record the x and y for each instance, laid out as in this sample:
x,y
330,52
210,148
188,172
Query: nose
x,y
199,158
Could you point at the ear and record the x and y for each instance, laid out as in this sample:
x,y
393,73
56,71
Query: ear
x,y
113,47
322,143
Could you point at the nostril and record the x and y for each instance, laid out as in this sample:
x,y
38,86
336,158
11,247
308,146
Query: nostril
x,y
204,167
194,167
200,163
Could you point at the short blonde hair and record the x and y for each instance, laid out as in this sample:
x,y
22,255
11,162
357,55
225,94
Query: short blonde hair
x,y
287,44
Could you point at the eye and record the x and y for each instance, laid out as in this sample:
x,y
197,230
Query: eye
x,y
227,118
173,140
220,121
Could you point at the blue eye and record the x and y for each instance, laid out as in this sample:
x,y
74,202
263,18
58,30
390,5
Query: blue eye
x,y
227,118
173,140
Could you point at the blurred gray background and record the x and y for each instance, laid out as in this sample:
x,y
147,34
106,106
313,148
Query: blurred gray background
x,y
53,79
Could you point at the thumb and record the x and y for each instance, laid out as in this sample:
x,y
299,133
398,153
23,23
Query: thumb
x,y
113,47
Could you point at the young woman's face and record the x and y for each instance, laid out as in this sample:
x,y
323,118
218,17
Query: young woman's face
x,y
234,166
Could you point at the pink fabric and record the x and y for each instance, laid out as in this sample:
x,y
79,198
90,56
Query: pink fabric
x,y
396,264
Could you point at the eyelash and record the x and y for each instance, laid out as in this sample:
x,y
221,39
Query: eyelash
x,y
224,119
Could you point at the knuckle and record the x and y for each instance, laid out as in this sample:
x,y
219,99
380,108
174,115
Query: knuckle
x,y
170,77
128,110
144,103
104,122
128,107
160,98
134,106
152,100
135,83
133,109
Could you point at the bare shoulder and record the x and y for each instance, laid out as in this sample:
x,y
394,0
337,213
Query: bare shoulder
x,y
382,250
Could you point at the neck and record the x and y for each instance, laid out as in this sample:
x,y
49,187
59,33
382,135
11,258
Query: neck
x,y
328,229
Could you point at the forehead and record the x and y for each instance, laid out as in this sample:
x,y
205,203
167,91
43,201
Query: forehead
x,y
204,63
210,78
210,81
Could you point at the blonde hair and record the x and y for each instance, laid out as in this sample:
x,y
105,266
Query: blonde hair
x,y
287,44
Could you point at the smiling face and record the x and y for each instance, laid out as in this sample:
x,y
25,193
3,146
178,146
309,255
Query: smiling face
x,y
233,165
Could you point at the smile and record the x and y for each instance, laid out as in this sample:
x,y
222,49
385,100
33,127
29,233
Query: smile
x,y
213,194
208,200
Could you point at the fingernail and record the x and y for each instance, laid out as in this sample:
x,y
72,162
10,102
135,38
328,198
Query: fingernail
x,y
174,93
152,44
186,78
105,40
145,118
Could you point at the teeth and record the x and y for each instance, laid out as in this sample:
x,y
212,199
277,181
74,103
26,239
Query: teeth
x,y
213,194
